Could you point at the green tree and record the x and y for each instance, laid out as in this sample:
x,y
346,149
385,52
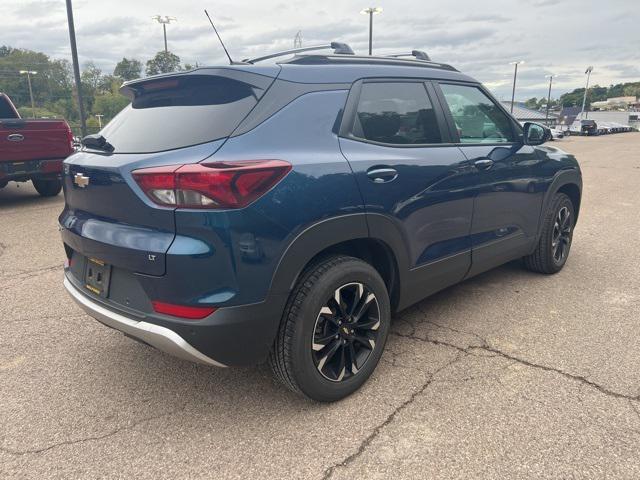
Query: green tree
x,y
163,62
531,103
128,69
109,105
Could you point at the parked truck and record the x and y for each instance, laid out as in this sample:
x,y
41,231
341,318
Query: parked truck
x,y
32,150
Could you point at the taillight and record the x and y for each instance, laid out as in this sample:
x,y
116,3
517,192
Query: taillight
x,y
182,311
213,185
69,137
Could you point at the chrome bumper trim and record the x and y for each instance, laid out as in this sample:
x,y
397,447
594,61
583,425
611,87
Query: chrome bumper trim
x,y
159,337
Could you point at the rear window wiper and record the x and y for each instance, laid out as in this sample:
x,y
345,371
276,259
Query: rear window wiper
x,y
97,142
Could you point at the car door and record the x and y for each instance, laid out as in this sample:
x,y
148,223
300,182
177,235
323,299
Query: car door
x,y
509,194
412,178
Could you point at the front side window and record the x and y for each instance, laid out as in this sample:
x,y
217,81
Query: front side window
x,y
477,118
396,113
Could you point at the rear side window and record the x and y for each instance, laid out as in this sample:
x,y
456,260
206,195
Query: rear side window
x,y
175,112
477,118
396,113
5,110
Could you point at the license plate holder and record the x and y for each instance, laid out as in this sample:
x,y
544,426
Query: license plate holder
x,y
97,275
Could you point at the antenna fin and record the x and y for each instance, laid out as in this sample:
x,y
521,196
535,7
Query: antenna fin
x,y
221,42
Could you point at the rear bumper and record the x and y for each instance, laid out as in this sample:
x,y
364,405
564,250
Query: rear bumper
x,y
28,169
155,335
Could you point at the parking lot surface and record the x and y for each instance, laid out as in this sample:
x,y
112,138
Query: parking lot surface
x,y
508,375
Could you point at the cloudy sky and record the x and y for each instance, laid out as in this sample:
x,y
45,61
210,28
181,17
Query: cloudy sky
x,y
478,37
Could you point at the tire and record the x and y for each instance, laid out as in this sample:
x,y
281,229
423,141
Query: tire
x,y
547,258
312,328
48,187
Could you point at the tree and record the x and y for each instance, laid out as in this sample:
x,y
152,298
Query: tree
x,y
531,103
109,105
163,62
92,76
128,69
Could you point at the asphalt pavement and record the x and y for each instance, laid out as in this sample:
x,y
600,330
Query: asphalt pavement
x,y
508,375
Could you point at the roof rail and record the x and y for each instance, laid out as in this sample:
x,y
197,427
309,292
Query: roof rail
x,y
417,54
321,59
338,49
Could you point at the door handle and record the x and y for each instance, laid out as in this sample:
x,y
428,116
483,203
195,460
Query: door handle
x,y
484,164
382,174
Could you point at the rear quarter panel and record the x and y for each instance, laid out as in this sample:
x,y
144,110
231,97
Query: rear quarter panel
x,y
254,239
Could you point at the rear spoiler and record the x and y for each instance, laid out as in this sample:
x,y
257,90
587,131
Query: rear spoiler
x,y
256,76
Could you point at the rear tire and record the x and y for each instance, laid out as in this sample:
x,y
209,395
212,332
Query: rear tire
x,y
48,187
554,245
326,350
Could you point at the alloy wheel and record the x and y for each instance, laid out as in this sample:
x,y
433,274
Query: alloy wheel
x,y
561,236
346,332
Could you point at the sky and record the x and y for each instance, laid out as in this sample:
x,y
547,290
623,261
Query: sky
x,y
479,38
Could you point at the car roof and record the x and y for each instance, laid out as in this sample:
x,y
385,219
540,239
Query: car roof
x,y
334,69
350,71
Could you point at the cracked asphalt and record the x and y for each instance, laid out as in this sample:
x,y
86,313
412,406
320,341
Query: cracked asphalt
x,y
508,375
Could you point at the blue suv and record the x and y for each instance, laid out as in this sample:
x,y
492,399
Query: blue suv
x,y
236,214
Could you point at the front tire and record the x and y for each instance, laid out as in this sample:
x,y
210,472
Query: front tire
x,y
47,187
554,245
333,330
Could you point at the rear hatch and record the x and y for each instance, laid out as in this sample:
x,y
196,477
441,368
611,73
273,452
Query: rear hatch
x,y
22,139
173,120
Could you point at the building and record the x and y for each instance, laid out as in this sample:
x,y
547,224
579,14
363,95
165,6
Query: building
x,y
615,103
570,114
524,114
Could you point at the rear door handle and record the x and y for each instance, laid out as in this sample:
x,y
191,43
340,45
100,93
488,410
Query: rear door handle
x,y
382,174
484,164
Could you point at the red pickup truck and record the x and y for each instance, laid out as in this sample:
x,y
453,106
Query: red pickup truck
x,y
32,149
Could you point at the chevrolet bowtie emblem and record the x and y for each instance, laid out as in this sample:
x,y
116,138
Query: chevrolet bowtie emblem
x,y
80,180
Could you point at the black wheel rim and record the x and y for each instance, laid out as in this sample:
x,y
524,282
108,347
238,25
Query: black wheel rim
x,y
561,236
346,332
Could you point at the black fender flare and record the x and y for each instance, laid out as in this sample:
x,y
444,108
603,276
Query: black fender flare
x,y
562,178
332,231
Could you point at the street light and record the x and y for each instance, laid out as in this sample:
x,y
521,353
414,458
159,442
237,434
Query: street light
x,y
586,89
546,117
371,11
164,20
28,73
76,67
515,75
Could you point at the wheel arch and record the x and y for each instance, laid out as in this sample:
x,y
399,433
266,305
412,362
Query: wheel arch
x,y
345,235
568,182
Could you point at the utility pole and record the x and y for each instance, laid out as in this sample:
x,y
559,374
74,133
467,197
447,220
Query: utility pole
x,y
371,11
76,66
164,21
515,76
586,89
29,73
297,41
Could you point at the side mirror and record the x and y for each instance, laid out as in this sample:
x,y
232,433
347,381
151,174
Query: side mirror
x,y
535,133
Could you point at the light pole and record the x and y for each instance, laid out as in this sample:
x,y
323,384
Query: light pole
x,y
76,67
546,116
164,21
99,117
371,11
515,76
28,73
586,89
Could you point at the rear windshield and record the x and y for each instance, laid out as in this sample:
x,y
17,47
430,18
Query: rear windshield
x,y
5,110
176,112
